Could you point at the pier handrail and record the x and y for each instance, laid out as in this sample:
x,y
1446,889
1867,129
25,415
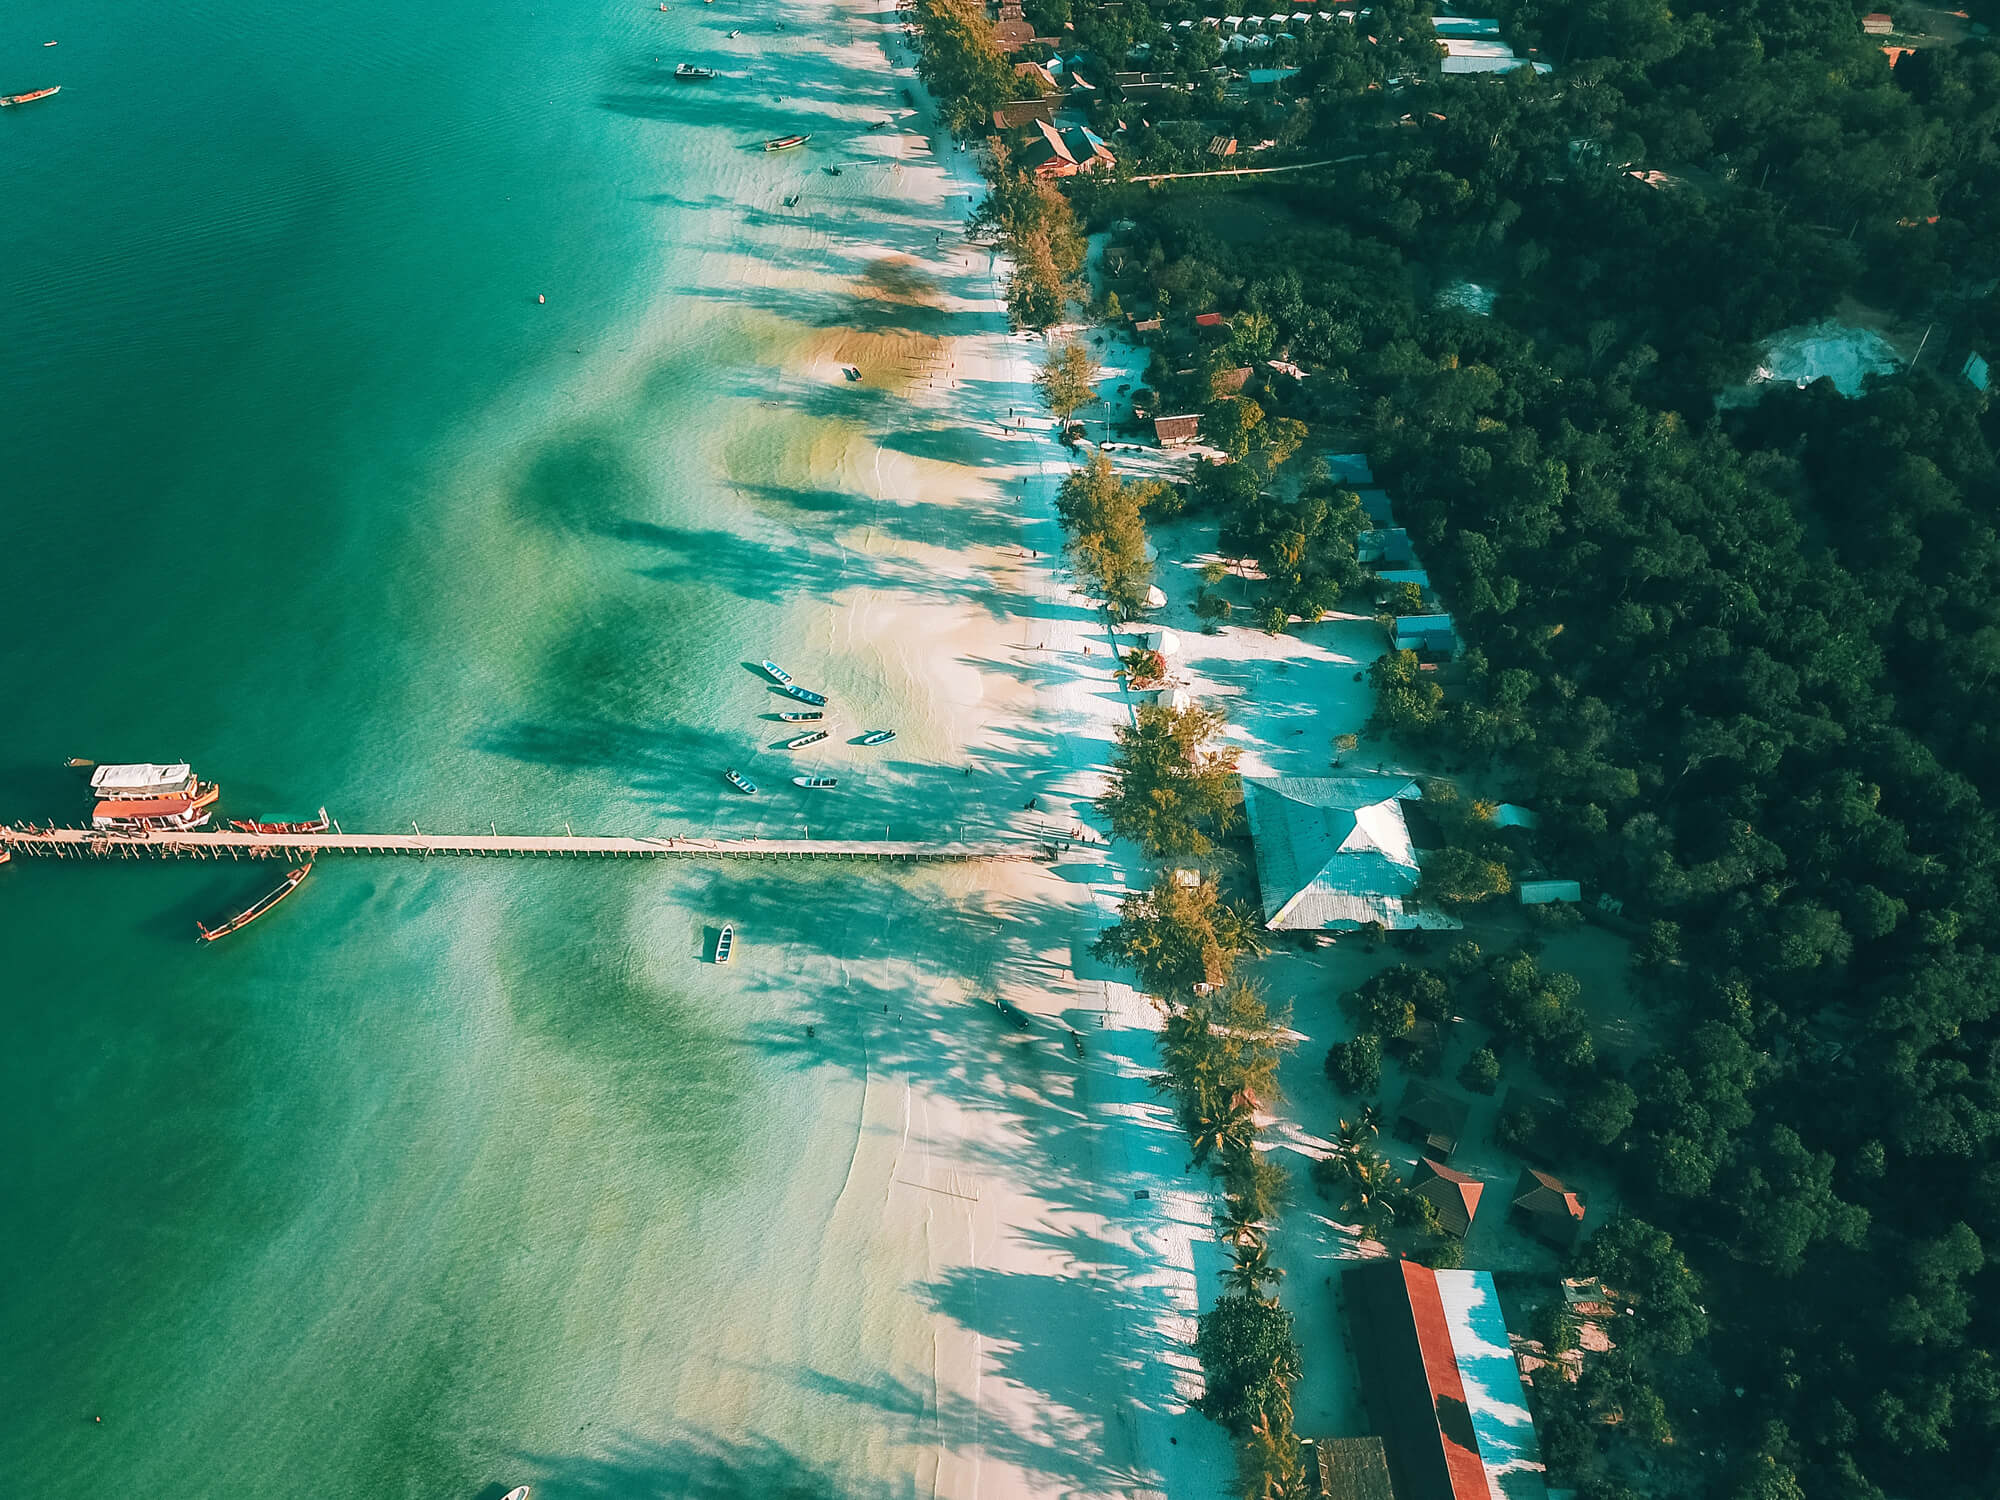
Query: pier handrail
x,y
232,844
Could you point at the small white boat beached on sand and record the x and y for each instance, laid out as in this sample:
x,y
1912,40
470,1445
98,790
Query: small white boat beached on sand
x,y
777,673
877,737
815,782
803,716
800,741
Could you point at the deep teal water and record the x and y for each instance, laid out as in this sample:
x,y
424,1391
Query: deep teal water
x,y
414,1190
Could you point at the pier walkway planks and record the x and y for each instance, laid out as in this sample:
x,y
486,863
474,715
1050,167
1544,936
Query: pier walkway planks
x,y
87,843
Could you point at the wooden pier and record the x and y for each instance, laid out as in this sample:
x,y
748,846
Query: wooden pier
x,y
89,843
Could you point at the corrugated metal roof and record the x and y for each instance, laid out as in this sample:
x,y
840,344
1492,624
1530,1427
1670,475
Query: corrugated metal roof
x,y
1450,1405
1335,851
1490,1382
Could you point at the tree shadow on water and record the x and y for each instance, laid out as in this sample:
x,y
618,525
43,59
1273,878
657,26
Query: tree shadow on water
x,y
702,1466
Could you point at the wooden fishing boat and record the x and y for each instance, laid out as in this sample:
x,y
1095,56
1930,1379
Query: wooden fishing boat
x,y
30,98
133,814
787,142
877,737
777,673
742,783
800,741
815,783
725,943
317,825
803,715
250,913
804,695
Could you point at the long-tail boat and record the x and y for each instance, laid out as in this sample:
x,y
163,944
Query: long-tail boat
x,y
293,879
318,825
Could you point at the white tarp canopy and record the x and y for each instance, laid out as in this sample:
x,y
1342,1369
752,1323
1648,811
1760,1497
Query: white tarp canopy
x,y
139,777
1541,892
1828,349
1156,597
1163,641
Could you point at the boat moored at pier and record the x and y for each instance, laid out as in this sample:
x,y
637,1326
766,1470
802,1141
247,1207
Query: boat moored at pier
x,y
257,908
155,814
317,825
143,779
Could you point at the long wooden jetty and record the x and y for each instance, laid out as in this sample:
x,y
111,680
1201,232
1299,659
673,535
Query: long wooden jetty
x,y
90,843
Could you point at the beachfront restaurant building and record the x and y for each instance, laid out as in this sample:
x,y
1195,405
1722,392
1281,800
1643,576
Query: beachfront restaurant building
x,y
1334,853
1441,1383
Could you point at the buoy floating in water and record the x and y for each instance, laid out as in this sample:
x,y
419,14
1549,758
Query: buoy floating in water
x,y
540,298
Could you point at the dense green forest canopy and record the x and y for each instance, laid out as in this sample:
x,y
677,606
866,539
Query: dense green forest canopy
x,y
1746,661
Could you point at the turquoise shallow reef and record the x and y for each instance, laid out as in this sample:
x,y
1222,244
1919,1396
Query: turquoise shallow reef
x,y
440,1178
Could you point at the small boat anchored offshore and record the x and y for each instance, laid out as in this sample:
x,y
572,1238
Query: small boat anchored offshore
x,y
804,695
780,143
256,908
317,825
689,73
520,1491
815,782
725,943
30,98
741,782
777,673
800,741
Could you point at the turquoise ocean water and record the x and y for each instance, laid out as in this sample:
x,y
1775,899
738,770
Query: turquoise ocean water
x,y
440,1179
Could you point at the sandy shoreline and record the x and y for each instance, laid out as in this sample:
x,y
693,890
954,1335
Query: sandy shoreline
x,y
1058,1301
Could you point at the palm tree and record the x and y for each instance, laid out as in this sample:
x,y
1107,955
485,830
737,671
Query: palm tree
x,y
1274,1468
1250,1268
1373,1193
1227,1126
1349,1138
1371,1119
1238,1223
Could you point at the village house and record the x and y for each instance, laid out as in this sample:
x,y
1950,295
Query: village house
x,y
1546,1208
1176,432
1438,1372
1334,853
1351,1468
1452,1194
1878,23
1018,114
1427,1114
1043,79
1067,150
1427,635
1387,547
1012,32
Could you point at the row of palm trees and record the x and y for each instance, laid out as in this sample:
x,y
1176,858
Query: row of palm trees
x,y
1220,1049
